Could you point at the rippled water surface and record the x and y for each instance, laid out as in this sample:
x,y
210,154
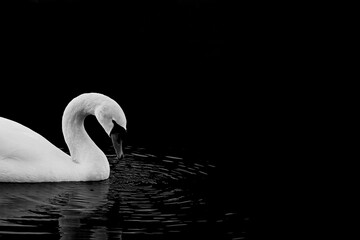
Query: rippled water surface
x,y
146,197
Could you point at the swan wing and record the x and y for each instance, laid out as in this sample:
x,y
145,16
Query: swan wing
x,y
24,152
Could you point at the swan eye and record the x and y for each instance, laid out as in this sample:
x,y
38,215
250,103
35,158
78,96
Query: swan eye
x,y
118,130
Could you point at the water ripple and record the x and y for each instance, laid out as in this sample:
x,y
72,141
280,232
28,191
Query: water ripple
x,y
146,196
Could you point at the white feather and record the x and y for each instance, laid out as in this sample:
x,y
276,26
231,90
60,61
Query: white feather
x,y
26,156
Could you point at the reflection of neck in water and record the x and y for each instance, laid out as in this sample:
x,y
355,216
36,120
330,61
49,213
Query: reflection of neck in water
x,y
46,202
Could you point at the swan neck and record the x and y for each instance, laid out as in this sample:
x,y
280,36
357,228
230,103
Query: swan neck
x,y
80,145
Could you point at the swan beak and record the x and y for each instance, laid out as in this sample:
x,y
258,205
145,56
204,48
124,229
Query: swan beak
x,y
117,143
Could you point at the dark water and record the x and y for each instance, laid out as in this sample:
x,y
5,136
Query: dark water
x,y
146,197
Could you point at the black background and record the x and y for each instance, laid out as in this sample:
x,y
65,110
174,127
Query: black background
x,y
195,77
163,62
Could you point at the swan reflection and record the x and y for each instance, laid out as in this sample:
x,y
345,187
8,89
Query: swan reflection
x,y
146,197
53,208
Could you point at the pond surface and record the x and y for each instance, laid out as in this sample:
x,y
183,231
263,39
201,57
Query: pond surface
x,y
146,197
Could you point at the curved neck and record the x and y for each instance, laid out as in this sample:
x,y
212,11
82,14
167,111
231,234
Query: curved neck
x,y
82,148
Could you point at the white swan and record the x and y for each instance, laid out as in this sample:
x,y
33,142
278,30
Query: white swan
x,y
26,156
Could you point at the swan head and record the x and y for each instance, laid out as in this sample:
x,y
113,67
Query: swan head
x,y
112,118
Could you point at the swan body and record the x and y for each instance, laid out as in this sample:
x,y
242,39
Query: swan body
x,y
26,156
